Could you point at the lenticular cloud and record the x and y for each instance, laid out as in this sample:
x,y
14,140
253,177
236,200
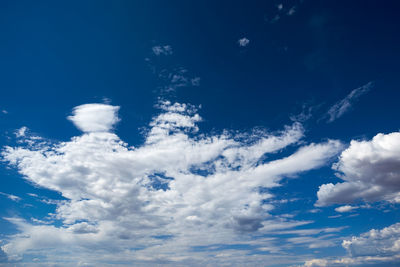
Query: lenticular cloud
x,y
94,117
158,201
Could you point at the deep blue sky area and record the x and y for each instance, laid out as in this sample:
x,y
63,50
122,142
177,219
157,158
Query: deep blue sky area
x,y
331,66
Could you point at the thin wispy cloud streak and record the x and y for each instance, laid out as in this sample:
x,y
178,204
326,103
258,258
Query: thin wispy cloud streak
x,y
344,105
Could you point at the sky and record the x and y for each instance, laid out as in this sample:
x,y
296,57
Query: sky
x,y
199,133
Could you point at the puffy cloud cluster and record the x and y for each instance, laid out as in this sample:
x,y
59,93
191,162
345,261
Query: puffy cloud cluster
x,y
370,171
373,248
157,202
375,243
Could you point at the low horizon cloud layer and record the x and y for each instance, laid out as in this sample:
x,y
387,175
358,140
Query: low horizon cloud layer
x,y
184,197
158,202
373,248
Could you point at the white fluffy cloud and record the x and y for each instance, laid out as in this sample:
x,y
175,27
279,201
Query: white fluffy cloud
x,y
156,202
94,117
373,248
370,170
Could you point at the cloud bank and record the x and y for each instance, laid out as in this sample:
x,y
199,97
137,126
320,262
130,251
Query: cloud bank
x,y
163,201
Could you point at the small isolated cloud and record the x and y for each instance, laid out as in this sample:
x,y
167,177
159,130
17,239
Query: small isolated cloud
x,y
162,50
195,81
344,105
12,197
243,42
21,132
4,111
94,117
291,11
346,208
370,171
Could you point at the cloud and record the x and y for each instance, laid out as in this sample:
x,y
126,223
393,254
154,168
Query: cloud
x,y
375,243
344,105
4,111
94,117
346,208
195,81
158,202
176,78
170,77
10,196
373,248
162,50
243,42
370,171
291,11
21,131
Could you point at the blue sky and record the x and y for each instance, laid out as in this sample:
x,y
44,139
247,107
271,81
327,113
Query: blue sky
x,y
248,133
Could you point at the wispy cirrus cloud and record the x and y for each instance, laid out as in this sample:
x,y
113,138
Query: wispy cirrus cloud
x,y
344,105
10,196
164,200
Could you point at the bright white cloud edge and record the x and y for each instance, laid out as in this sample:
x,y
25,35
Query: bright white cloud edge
x,y
117,197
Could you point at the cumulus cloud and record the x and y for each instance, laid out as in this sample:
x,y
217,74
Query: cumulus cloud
x,y
243,42
157,202
94,117
373,248
375,243
344,105
370,171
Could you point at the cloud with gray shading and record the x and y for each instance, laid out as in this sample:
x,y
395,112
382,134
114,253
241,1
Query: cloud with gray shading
x,y
383,243
373,248
344,105
118,197
370,171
